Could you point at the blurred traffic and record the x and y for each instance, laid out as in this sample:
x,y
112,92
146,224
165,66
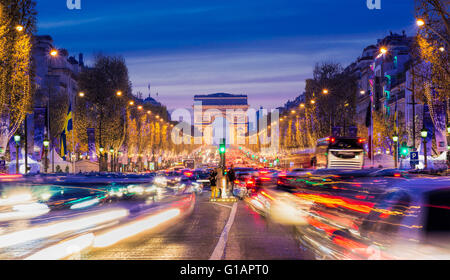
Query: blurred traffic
x,y
330,213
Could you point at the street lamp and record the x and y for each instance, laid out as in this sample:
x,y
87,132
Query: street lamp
x,y
395,139
131,103
19,28
119,93
17,140
420,22
383,50
81,94
302,105
313,102
111,150
362,92
46,145
325,91
140,107
424,134
54,52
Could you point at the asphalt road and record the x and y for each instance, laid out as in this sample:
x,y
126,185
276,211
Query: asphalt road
x,y
212,231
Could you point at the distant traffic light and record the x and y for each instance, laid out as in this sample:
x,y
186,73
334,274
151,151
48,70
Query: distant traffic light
x,y
222,149
404,150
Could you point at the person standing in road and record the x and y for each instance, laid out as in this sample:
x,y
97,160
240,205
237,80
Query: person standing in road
x,y
213,181
231,178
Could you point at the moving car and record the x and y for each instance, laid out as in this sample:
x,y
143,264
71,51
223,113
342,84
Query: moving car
x,y
407,219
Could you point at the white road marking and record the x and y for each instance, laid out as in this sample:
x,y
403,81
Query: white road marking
x,y
220,247
228,206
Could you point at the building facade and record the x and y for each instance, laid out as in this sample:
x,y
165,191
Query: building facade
x,y
54,76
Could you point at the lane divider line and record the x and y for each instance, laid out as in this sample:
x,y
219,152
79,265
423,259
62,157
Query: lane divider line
x,y
228,206
221,245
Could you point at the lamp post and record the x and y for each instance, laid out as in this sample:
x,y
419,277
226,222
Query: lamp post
x,y
46,144
424,134
17,140
100,161
53,55
395,139
111,150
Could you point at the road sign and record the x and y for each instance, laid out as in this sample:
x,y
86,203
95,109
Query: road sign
x,y
414,158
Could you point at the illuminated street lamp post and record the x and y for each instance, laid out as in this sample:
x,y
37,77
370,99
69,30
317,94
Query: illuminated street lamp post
x,y
424,134
53,54
17,140
111,150
100,161
46,144
395,139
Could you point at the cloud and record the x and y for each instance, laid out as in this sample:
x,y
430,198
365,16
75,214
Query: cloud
x,y
268,77
67,23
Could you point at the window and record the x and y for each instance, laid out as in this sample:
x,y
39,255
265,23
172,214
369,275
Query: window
x,y
346,143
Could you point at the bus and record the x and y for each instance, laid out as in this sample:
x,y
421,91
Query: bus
x,y
339,153
331,153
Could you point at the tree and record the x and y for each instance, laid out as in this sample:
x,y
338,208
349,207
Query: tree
x,y
431,72
102,108
334,108
431,48
16,73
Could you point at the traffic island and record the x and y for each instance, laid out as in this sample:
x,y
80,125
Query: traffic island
x,y
229,199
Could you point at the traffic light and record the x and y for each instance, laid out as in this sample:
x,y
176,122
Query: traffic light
x,y
222,149
404,150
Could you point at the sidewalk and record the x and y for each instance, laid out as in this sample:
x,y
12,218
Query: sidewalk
x,y
387,161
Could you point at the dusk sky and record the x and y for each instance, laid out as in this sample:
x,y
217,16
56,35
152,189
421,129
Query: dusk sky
x,y
265,49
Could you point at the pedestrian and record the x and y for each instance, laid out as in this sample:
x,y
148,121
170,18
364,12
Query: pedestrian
x,y
231,178
221,181
213,182
313,162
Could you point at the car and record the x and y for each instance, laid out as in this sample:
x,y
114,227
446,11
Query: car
x,y
266,177
60,198
407,220
202,177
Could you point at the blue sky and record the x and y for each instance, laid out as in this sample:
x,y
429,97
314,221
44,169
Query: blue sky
x,y
265,49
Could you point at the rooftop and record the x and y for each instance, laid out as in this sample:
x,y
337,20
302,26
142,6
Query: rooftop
x,y
222,99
